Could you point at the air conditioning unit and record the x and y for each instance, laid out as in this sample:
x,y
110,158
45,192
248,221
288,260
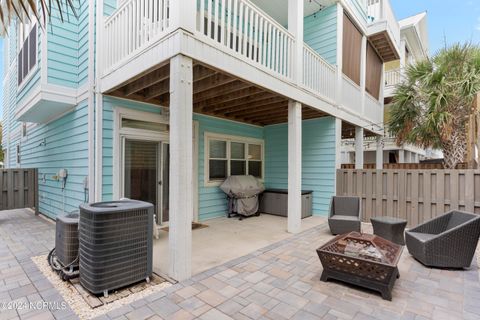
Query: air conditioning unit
x,y
66,239
115,244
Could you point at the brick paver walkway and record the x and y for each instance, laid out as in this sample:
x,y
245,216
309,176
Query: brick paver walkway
x,y
280,281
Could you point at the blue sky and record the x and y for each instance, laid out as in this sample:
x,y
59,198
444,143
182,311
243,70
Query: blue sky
x,y
451,21
455,21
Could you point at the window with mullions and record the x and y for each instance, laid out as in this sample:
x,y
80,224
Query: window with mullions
x,y
227,156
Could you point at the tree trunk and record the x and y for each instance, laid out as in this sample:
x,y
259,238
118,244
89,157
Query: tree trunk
x,y
454,149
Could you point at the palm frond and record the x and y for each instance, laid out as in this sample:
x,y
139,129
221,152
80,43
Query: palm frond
x,y
25,9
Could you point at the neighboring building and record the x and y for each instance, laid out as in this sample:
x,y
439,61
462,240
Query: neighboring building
x,y
414,46
161,100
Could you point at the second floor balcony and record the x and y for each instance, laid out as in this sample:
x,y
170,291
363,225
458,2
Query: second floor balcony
x,y
232,36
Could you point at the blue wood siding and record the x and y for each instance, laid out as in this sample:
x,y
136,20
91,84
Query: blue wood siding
x,y
320,33
318,159
109,6
66,146
359,9
68,48
107,138
212,201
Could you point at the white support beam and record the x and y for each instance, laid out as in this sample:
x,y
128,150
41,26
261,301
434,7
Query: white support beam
x,y
379,153
295,27
339,53
294,166
338,143
181,171
363,72
358,148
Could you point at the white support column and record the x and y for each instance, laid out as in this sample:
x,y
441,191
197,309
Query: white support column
x,y
379,154
339,53
358,148
403,53
181,171
295,27
363,72
294,166
338,143
183,14
401,156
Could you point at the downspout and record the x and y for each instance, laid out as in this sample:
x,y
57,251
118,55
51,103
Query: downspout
x,y
99,106
91,100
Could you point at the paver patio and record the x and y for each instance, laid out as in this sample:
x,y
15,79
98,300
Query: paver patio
x,y
280,281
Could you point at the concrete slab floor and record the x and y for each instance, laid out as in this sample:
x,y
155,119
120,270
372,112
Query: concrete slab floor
x,y
226,239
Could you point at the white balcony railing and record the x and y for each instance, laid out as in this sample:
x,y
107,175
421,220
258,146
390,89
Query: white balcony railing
x,y
373,109
351,95
318,75
393,77
381,10
134,25
248,32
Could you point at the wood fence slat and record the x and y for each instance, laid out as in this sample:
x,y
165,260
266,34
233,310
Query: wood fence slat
x,y
440,196
413,219
368,195
21,187
10,189
402,194
379,193
454,191
469,192
390,191
427,190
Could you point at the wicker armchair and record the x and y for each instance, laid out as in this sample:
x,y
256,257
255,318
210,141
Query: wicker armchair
x,y
345,214
448,241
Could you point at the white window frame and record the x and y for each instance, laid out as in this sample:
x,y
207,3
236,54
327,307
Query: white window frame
x,y
20,42
229,139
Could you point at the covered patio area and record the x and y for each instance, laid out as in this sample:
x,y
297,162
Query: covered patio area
x,y
225,239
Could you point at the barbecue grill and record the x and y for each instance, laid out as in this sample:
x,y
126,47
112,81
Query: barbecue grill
x,y
242,195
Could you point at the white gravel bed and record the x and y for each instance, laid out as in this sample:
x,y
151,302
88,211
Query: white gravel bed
x,y
77,302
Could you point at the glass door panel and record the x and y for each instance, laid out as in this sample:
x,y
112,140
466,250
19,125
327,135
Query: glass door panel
x,y
141,160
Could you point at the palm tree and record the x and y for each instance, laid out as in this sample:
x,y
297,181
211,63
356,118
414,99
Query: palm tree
x,y
22,9
433,105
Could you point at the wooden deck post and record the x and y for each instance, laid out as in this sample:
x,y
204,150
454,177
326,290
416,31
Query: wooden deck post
x,y
294,166
181,172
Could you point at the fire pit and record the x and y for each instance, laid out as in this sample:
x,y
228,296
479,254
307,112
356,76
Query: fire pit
x,y
361,259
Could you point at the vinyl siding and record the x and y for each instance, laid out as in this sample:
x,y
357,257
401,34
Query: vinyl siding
x,y
66,146
212,200
318,159
320,33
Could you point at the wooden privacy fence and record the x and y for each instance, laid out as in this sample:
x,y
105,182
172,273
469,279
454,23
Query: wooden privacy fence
x,y
414,195
418,166
18,189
